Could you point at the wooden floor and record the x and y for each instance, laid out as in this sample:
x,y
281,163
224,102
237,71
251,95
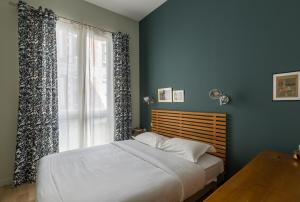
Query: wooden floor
x,y
24,193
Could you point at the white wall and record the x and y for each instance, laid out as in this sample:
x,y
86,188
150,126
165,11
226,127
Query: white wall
x,y
75,9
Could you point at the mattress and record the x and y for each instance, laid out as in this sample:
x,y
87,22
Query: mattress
x,y
121,171
213,166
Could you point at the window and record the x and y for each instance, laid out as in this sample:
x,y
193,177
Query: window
x,y
85,80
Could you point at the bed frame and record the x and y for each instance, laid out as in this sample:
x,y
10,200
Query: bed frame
x,y
197,126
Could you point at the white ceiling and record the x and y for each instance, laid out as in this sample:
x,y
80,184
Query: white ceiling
x,y
134,9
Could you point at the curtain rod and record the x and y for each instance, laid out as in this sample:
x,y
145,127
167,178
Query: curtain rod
x,y
71,20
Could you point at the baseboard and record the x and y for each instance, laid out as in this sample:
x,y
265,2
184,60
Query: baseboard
x,y
5,181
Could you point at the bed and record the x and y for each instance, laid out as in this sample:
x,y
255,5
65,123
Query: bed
x,y
132,171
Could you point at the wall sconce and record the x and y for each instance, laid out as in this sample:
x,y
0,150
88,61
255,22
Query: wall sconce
x,y
217,94
148,100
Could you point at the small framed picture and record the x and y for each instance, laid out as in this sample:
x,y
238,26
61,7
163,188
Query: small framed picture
x,y
286,86
178,96
164,94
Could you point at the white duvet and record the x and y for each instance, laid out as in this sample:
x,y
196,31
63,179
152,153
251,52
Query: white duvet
x,y
121,171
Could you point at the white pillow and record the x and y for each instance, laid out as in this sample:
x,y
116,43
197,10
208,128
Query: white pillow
x,y
151,139
187,149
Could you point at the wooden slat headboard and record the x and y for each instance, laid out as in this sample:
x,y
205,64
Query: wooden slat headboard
x,y
205,127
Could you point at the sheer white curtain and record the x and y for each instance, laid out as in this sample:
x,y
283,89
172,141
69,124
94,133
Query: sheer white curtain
x,y
85,86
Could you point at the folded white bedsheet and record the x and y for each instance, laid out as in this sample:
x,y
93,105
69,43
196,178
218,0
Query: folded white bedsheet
x,y
121,171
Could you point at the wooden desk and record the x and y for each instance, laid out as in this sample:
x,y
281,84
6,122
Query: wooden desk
x,y
270,177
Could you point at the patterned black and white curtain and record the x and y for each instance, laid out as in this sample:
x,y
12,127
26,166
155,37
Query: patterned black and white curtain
x,y
37,134
122,89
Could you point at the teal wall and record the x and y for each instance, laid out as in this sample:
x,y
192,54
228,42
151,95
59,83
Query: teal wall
x,y
234,45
